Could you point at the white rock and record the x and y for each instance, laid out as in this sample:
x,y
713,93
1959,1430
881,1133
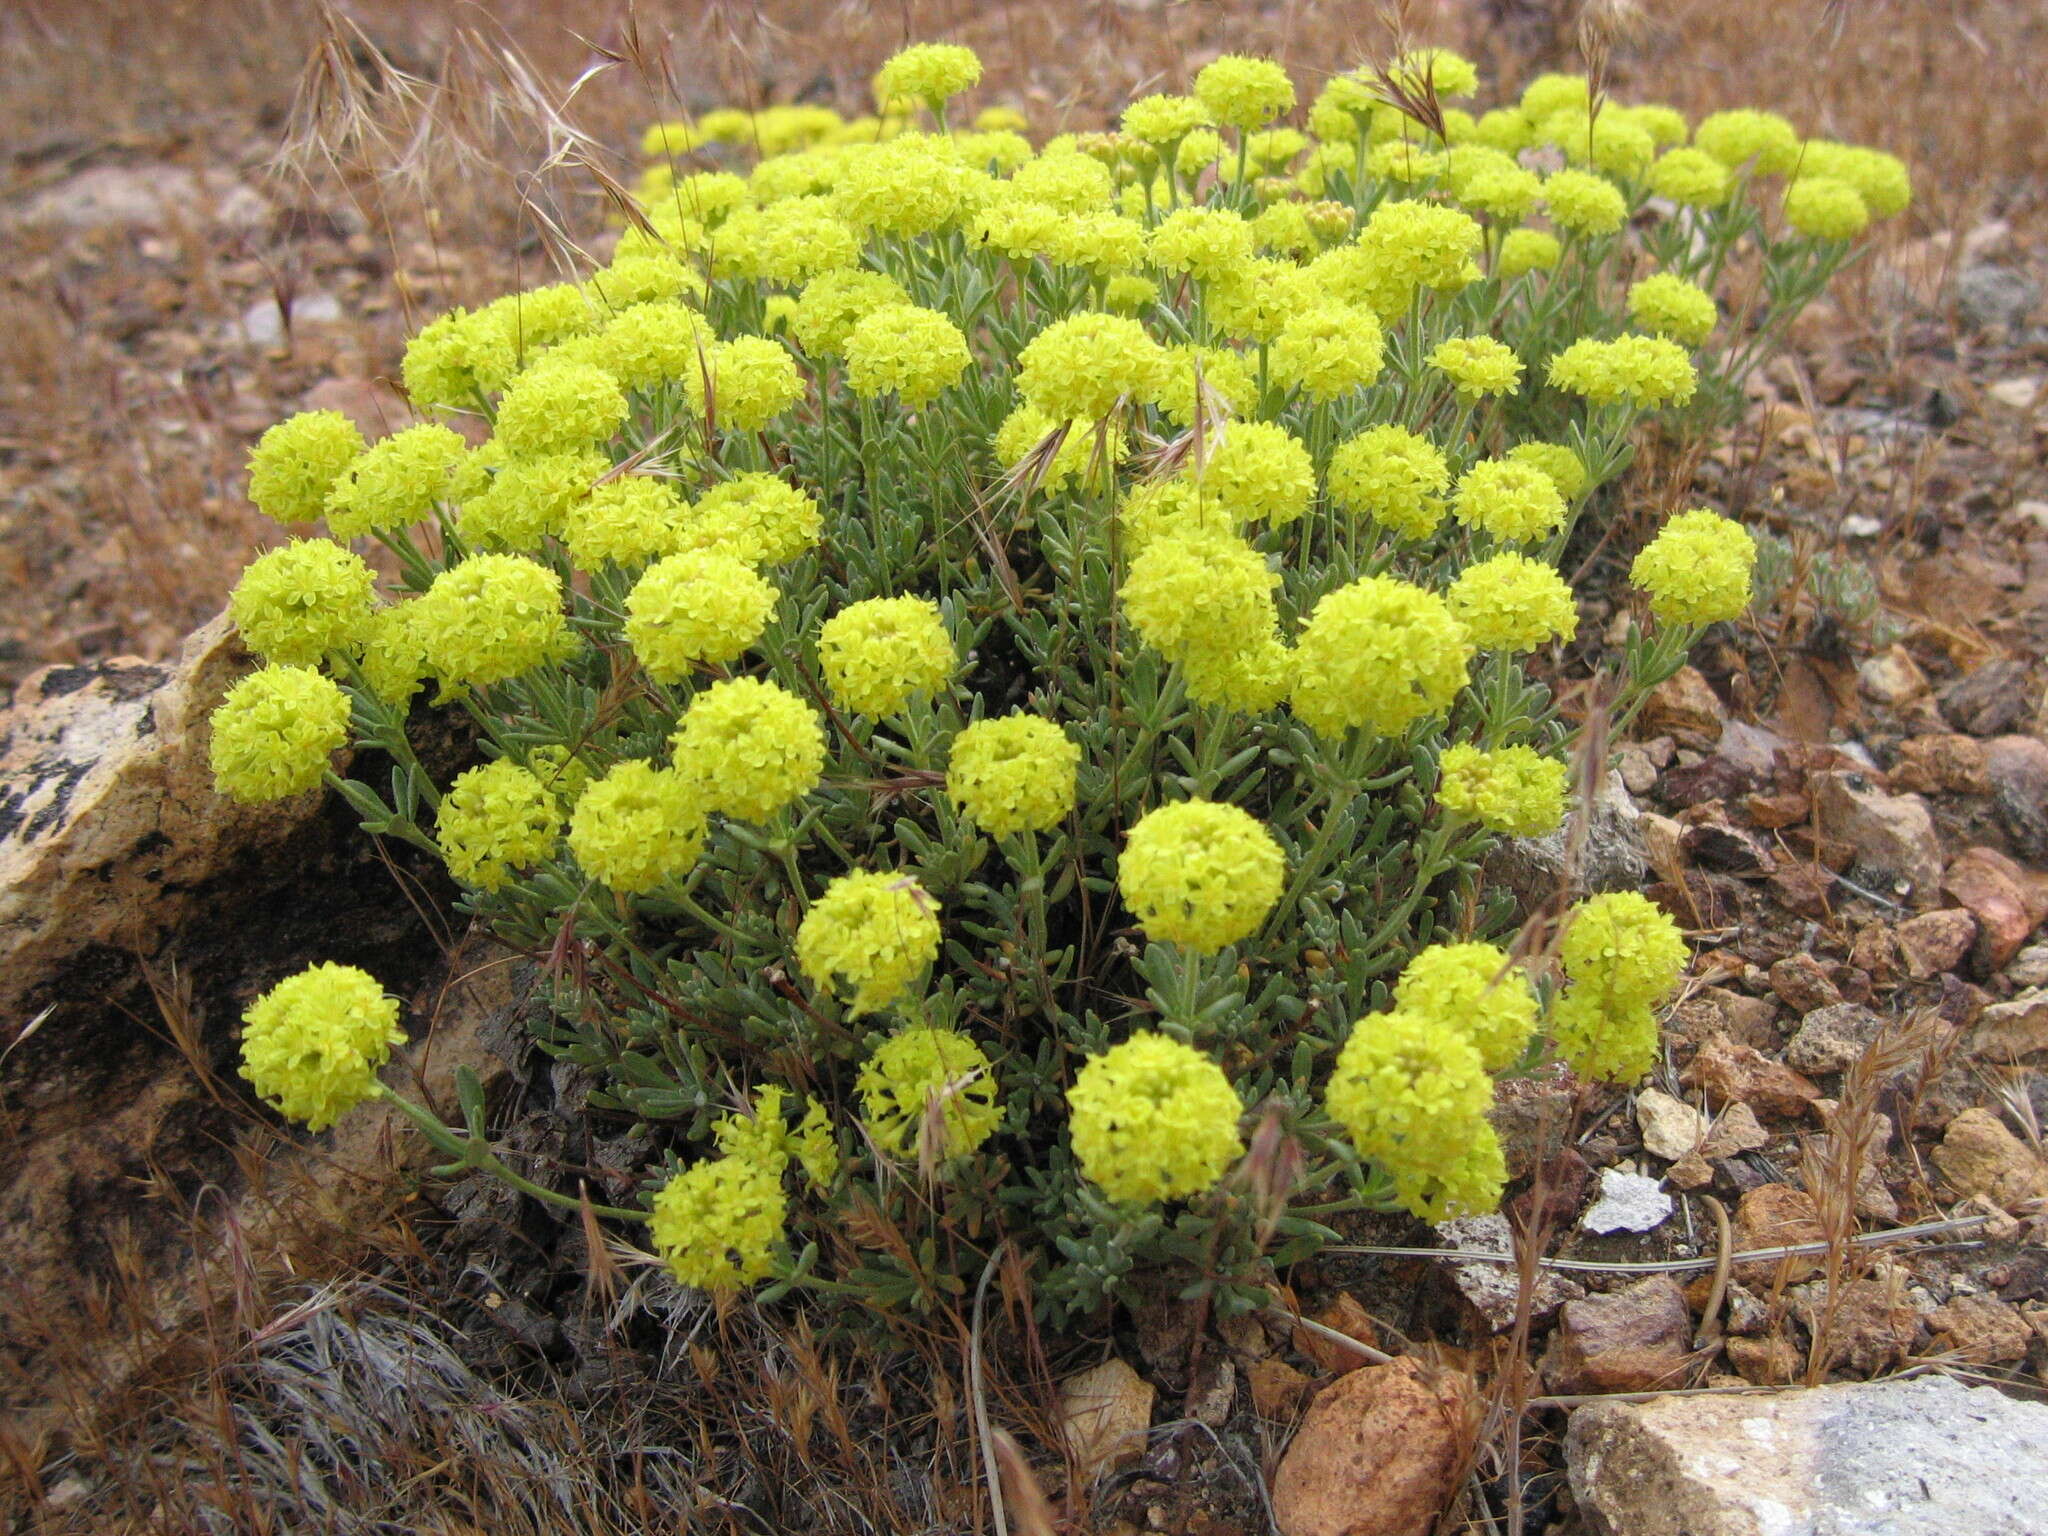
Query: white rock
x,y
2019,394
1629,1202
1919,1457
1671,1127
106,195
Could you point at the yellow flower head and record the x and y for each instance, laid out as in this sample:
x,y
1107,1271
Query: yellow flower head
x,y
1692,178
1015,773
1226,380
1513,501
928,73
834,302
1646,372
1392,476
493,819
877,653
1527,250
1082,457
1566,470
1210,244
1200,874
1077,369
560,407
1624,947
1328,351
754,517
751,380
295,464
527,499
1825,208
1413,1094
1478,366
1665,304
1698,569
917,353
627,520
696,607
1583,203
396,481
1244,93
1881,180
788,242
275,731
1762,141
1153,1119
1192,593
1512,603
1379,653
637,826
491,618
303,602
1514,790
1163,121
312,1044
922,1083
749,747
1258,472
1477,990
716,1224
872,934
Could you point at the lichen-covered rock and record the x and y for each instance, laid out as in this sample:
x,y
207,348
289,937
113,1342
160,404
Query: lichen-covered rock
x,y
1919,1457
139,915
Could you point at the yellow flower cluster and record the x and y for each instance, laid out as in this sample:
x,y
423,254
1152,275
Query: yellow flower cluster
x,y
303,602
1013,774
1200,874
295,464
930,1094
275,732
1621,955
1153,1119
716,1224
879,653
695,608
1380,653
1698,568
637,827
494,819
871,934
749,747
1512,603
1412,1092
1515,790
1479,990
312,1044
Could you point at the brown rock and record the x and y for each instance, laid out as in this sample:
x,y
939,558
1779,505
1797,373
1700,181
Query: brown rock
x,y
1875,952
1770,1361
1802,888
1774,812
1732,1073
1105,1412
1346,1315
2018,769
1671,1128
1776,1216
1691,1171
1980,1330
1982,1159
1735,1130
1991,699
1893,678
1941,765
1278,1389
2006,900
1494,1290
1873,1326
1832,1039
1377,1454
2008,1031
1893,835
1803,983
1935,942
1685,708
1632,1340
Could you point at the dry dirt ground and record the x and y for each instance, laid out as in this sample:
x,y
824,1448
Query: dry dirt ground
x,y
1847,802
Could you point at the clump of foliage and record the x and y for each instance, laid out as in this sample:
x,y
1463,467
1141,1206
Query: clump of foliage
x,y
997,665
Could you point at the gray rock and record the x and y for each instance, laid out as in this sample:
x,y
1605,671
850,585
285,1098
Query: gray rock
x,y
1988,295
1919,1457
1629,1202
1832,1039
1992,699
2029,967
2018,769
1612,857
149,196
1493,1288
1893,835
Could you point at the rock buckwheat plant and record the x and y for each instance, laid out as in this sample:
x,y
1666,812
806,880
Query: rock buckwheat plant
x,y
994,668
